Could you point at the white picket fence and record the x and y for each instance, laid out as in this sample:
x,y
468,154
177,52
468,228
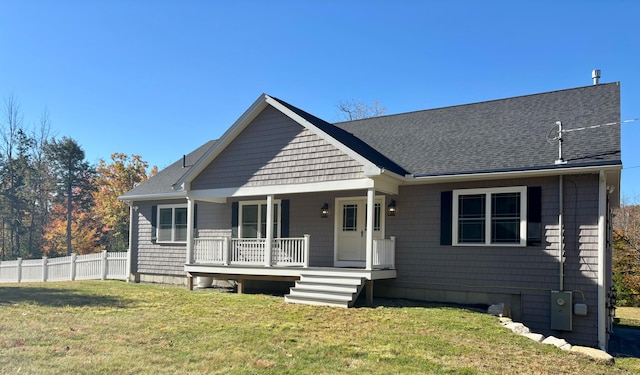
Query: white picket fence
x,y
99,266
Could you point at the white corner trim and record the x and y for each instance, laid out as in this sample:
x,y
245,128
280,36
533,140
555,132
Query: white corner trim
x,y
602,293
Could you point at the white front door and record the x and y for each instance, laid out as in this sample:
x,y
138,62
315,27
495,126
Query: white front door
x,y
351,227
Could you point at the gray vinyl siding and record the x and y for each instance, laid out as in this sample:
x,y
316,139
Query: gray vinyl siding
x,y
155,258
520,276
152,257
275,150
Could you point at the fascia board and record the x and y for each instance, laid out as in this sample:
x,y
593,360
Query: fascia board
x,y
410,180
370,168
313,187
151,197
223,141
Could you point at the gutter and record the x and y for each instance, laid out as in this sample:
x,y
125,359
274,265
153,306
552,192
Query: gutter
x,y
516,173
150,197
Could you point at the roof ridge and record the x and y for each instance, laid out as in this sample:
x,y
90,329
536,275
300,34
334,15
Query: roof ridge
x,y
341,123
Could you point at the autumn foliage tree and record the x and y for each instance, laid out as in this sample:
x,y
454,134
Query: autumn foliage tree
x,y
626,254
85,229
74,180
112,180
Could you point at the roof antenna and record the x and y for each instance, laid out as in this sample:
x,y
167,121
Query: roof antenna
x,y
560,159
184,161
595,75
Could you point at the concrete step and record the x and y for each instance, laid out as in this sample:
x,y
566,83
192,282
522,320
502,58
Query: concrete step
x,y
321,295
339,280
327,290
336,288
313,302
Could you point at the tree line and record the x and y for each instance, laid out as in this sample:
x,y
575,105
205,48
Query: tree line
x,y
626,254
52,201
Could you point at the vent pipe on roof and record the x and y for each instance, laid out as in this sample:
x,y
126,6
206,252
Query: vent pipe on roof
x,y
595,75
184,161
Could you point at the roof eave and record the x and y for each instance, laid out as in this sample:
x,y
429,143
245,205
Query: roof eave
x,y
520,173
151,197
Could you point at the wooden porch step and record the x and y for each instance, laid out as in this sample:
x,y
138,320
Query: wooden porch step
x,y
326,290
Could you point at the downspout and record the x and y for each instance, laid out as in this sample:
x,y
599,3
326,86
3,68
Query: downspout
x,y
602,214
561,230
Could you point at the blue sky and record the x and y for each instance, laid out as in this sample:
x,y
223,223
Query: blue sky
x,y
160,78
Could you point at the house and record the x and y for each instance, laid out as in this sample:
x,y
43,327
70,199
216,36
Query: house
x,y
505,201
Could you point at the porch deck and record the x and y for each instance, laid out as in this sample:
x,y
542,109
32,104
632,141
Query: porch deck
x,y
287,259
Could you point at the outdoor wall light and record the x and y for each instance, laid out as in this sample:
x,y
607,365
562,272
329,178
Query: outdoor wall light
x,y
324,211
391,208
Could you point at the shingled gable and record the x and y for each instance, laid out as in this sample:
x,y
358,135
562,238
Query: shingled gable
x,y
373,161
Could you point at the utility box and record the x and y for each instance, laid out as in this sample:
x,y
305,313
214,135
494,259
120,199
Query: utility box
x,y
561,310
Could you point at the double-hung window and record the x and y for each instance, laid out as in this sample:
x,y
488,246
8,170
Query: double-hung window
x,y
172,223
496,216
253,219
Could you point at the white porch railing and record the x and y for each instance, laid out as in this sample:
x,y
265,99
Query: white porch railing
x,y
384,253
287,252
102,265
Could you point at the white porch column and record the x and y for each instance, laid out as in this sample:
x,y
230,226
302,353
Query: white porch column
x,y
269,234
190,209
371,195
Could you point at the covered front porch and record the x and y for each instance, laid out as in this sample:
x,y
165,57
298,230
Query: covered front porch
x,y
325,263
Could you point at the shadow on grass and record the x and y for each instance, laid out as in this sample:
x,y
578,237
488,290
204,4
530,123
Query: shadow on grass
x,y
56,297
403,303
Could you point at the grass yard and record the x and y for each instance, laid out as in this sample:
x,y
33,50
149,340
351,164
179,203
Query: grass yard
x,y
98,327
628,316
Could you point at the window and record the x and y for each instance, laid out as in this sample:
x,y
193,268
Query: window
x,y
172,223
253,219
490,216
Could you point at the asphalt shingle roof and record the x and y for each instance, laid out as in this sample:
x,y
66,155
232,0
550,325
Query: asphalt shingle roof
x,y
500,135
163,181
349,140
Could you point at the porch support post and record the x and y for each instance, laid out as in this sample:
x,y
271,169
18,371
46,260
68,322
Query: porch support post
x,y
371,194
269,234
190,209
368,286
306,250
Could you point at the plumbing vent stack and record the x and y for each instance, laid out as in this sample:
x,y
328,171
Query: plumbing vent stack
x,y
595,75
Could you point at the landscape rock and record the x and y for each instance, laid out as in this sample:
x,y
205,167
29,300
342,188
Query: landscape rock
x,y
594,353
534,336
558,343
499,309
518,328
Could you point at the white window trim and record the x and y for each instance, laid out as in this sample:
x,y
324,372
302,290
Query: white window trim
x,y
259,203
488,191
173,222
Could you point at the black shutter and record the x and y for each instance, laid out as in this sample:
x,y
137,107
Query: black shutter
x,y
446,206
284,218
534,215
154,221
234,219
195,216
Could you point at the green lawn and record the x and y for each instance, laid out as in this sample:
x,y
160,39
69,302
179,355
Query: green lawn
x,y
628,316
100,327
